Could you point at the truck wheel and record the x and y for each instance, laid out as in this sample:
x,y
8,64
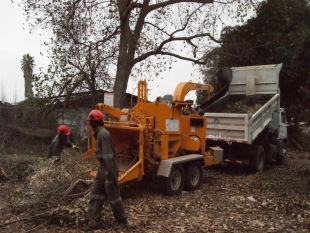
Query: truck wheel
x,y
258,160
175,182
193,176
281,157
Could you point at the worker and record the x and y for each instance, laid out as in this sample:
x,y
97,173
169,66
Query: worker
x,y
59,142
105,182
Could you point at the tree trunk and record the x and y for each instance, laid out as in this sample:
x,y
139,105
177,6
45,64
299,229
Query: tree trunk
x,y
121,81
125,57
28,83
90,80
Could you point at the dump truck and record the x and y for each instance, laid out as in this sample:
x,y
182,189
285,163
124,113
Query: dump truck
x,y
246,122
159,142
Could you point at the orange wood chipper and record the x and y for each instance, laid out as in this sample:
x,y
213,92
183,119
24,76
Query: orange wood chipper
x,y
160,140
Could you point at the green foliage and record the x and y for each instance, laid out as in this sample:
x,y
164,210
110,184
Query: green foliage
x,y
18,167
51,188
34,111
210,74
280,33
34,101
166,98
27,62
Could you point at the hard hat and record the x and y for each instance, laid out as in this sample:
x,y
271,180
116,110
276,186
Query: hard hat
x,y
95,115
63,129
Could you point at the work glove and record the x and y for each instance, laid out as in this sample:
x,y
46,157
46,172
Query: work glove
x,y
75,148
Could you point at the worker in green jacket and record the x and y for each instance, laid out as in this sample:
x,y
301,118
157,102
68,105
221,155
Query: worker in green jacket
x,y
58,143
106,180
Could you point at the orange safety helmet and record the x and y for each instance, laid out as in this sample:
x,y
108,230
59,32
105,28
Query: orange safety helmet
x,y
95,115
63,129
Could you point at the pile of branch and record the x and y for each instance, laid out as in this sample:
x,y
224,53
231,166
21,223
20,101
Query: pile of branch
x,y
52,191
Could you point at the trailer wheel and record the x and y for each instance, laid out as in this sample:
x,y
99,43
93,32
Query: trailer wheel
x,y
193,176
258,160
281,157
175,182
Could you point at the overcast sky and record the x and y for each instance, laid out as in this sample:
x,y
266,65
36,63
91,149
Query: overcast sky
x,y
15,42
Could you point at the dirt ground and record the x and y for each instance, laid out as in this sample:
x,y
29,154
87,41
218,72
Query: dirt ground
x,y
229,200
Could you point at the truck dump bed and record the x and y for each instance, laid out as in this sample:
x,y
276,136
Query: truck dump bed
x,y
253,84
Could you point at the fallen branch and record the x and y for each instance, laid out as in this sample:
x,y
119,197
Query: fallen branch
x,y
166,228
85,193
63,186
72,185
3,175
35,228
23,219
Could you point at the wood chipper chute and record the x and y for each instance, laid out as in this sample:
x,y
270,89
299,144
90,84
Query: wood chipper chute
x,y
128,141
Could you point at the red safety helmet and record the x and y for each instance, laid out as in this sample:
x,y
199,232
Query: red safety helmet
x,y
95,115
63,129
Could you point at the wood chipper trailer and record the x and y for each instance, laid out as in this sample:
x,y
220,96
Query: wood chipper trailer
x,y
158,140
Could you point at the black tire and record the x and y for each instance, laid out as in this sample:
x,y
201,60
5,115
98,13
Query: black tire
x,y
193,176
175,182
258,160
281,157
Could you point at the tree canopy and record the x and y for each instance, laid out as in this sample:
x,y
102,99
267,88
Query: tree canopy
x,y
100,44
166,98
280,33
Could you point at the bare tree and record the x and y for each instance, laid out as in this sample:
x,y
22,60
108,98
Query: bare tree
x,y
97,40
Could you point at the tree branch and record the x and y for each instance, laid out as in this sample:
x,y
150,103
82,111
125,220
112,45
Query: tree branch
x,y
131,6
171,39
171,2
196,61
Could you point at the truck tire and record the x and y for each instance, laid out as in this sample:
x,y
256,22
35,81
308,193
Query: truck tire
x,y
281,157
193,176
258,160
175,182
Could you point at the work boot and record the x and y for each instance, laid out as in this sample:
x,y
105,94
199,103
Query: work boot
x,y
89,228
121,226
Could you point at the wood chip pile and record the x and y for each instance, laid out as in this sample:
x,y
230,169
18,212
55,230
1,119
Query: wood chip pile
x,y
241,107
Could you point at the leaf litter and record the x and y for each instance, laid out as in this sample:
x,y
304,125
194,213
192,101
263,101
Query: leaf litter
x,y
229,200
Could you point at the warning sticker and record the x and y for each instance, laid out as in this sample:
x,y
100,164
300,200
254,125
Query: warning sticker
x,y
172,125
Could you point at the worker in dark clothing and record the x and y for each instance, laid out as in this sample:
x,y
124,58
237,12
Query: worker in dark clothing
x,y
59,142
106,180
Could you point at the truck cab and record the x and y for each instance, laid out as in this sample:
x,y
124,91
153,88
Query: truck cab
x,y
278,124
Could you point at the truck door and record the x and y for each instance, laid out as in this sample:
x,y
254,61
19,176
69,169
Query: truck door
x,y
282,125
